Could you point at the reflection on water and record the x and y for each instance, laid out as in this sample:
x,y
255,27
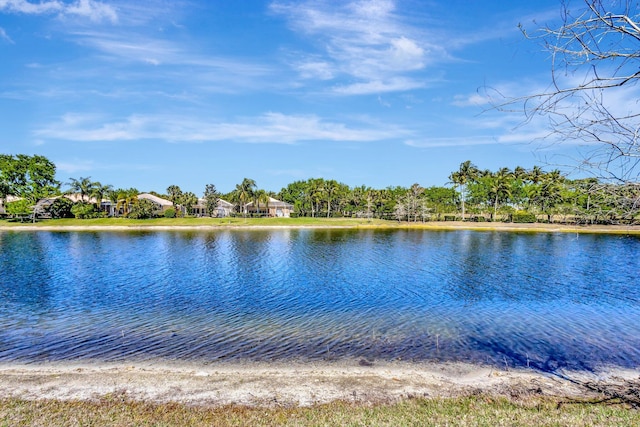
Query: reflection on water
x,y
543,300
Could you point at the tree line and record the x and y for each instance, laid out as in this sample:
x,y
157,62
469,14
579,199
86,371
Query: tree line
x,y
519,194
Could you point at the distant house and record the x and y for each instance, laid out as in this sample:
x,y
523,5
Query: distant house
x,y
42,206
105,204
275,208
160,204
223,209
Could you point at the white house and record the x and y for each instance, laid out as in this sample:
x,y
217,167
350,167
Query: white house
x,y
223,209
274,208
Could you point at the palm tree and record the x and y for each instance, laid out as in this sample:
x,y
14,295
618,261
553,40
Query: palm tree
x,y
261,196
535,175
316,190
243,193
174,192
124,199
466,173
188,199
83,186
329,188
551,191
500,187
99,191
520,173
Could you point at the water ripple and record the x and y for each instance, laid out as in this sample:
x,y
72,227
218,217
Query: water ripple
x,y
542,300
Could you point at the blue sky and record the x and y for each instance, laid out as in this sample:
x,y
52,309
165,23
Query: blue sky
x,y
151,93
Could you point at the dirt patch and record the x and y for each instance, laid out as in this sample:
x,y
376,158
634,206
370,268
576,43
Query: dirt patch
x,y
297,384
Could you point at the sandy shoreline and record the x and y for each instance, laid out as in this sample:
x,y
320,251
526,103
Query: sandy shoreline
x,y
258,384
449,225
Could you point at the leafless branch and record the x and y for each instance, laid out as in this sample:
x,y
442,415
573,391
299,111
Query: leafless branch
x,y
592,99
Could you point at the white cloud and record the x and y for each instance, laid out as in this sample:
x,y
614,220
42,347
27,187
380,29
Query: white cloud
x,y
4,36
23,6
206,72
378,86
472,100
463,141
406,54
75,166
268,128
363,40
513,137
315,70
96,11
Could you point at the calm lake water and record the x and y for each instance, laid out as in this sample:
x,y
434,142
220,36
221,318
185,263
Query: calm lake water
x,y
544,300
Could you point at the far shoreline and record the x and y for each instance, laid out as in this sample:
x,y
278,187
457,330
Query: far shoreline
x,y
322,224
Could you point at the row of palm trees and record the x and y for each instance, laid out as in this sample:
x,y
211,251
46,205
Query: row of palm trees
x,y
246,192
539,192
475,193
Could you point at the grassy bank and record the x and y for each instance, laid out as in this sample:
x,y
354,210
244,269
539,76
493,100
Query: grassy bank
x,y
197,223
115,410
203,222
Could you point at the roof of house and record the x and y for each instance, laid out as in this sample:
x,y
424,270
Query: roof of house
x,y
10,199
77,197
155,199
273,203
221,203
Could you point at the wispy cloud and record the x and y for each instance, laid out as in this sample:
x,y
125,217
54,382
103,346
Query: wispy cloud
x,y
95,11
514,137
4,36
75,165
171,61
463,141
378,86
364,40
274,128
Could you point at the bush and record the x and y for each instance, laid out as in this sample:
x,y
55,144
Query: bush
x,y
61,208
19,207
170,213
449,218
144,209
83,210
523,217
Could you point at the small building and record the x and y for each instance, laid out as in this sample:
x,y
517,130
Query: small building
x,y
224,208
274,208
160,204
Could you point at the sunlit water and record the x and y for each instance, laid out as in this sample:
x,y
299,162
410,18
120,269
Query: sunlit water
x,y
542,300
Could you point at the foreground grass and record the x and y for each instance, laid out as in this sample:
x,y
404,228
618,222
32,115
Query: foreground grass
x,y
477,411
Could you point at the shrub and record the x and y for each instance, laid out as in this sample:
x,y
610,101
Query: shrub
x,y
19,207
144,209
170,213
83,210
61,208
524,217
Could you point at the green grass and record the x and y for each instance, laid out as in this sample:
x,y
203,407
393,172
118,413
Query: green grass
x,y
466,411
191,222
195,222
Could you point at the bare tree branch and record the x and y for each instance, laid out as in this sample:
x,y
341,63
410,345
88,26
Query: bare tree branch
x,y
592,99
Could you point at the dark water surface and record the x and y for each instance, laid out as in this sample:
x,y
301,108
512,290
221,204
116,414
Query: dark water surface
x,y
544,300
